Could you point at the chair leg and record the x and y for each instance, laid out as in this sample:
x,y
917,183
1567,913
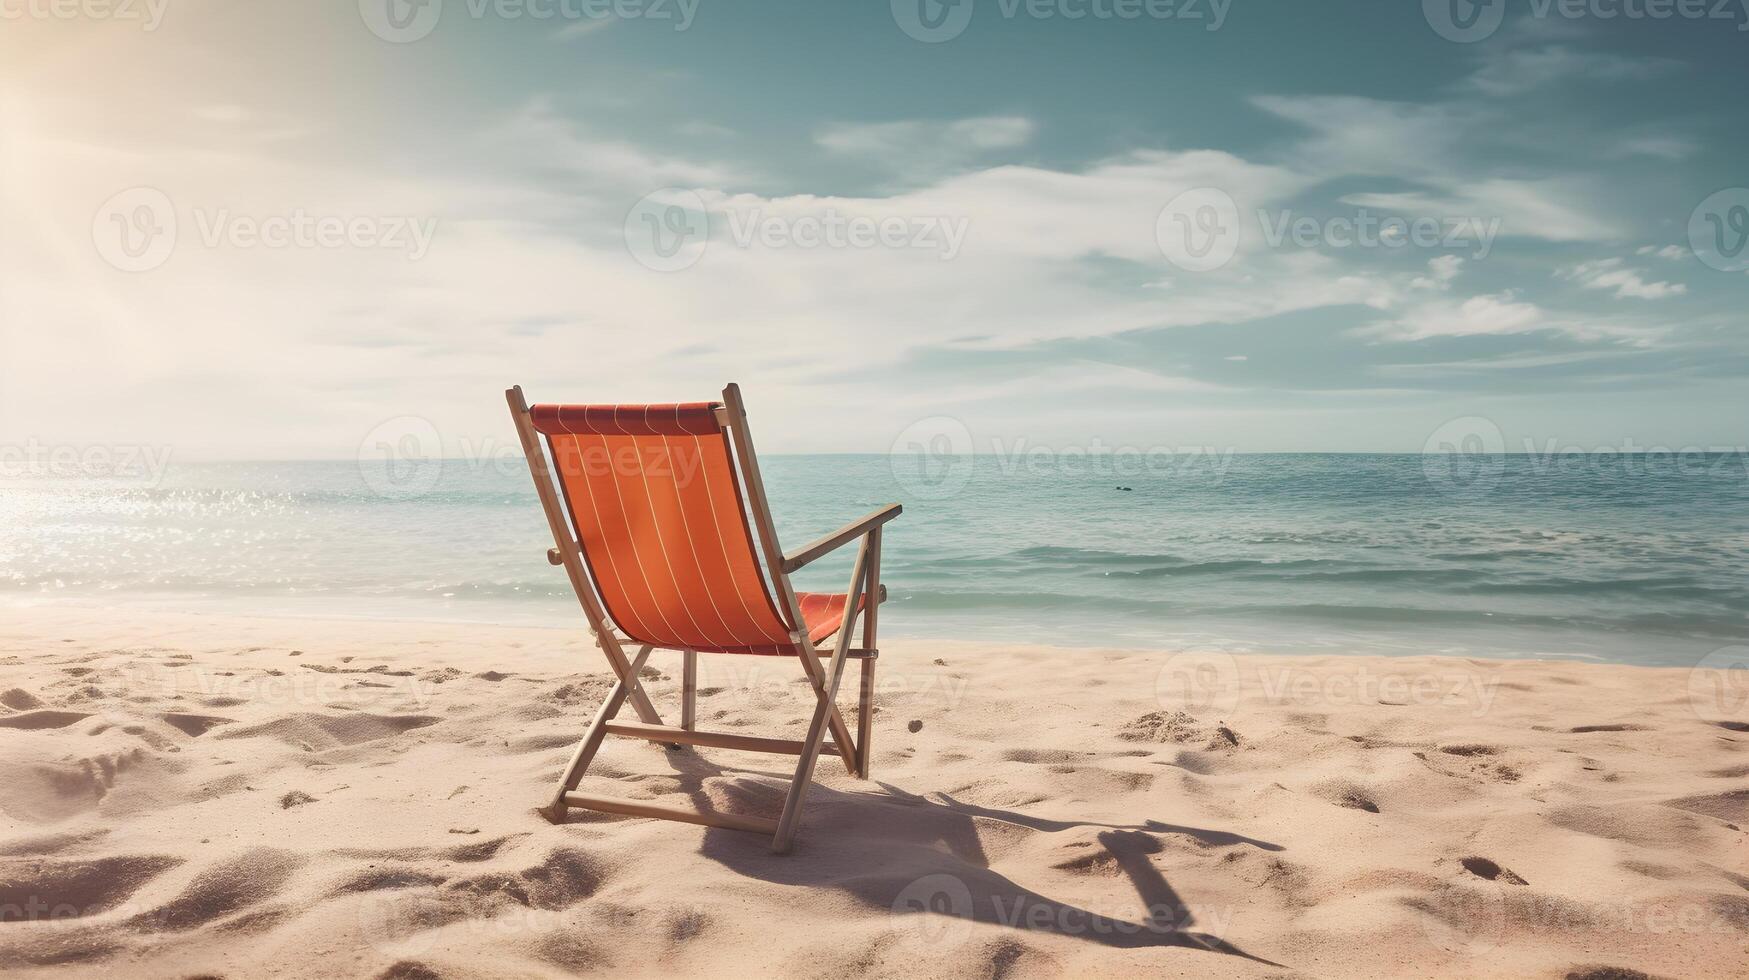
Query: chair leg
x,y
586,749
825,709
798,787
865,719
689,690
870,620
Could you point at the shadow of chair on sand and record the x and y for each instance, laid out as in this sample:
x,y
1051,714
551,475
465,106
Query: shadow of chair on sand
x,y
911,855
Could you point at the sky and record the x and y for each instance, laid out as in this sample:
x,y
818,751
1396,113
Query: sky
x,y
282,229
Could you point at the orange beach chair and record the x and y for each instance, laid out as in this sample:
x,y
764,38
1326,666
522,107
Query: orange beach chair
x,y
655,516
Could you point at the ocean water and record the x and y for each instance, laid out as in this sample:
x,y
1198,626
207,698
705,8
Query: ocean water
x,y
1638,559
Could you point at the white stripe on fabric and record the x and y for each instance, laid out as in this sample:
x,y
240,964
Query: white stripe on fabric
x,y
631,539
692,545
589,491
703,638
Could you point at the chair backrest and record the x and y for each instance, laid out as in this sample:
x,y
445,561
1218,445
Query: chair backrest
x,y
653,493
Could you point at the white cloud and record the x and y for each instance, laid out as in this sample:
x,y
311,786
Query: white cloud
x,y
536,136
1514,71
881,139
1432,145
1673,149
1499,313
1672,253
529,279
922,149
583,27
1441,270
1627,283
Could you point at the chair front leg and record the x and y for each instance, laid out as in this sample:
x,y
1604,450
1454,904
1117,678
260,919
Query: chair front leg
x,y
870,619
689,690
827,692
586,749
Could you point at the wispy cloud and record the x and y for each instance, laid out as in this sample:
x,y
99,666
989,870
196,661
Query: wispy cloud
x,y
1500,313
1671,253
1627,283
1434,146
1509,71
1441,270
926,148
584,27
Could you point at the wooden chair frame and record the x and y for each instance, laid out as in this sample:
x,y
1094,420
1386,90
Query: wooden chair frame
x,y
824,678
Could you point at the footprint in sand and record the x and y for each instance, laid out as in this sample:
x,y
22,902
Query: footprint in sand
x,y
19,699
1625,727
379,879
1605,973
38,720
229,886
1481,867
71,889
1349,795
1469,750
462,853
409,970
194,725
315,732
567,876
1043,757
1731,806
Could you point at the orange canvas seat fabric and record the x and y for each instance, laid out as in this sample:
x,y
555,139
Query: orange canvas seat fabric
x,y
653,494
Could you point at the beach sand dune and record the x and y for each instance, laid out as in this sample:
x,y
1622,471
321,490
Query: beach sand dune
x,y
204,796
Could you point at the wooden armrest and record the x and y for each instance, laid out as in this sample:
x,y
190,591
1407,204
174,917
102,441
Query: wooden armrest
x,y
849,532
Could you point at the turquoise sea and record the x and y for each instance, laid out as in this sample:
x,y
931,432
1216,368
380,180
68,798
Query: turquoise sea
x,y
1632,558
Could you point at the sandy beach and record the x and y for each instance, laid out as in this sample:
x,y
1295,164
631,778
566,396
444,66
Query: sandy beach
x,y
201,796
